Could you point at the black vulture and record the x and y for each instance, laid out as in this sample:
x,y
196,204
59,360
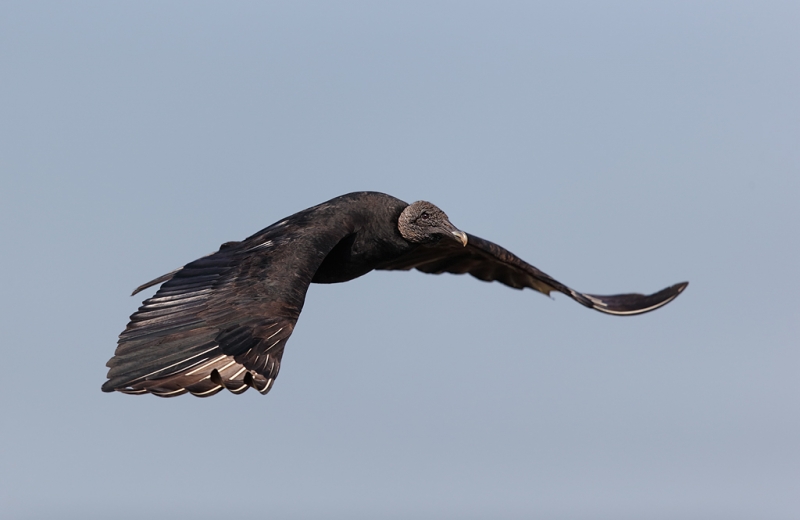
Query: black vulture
x,y
223,320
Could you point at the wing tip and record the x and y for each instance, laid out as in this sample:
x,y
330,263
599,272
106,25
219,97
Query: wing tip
x,y
632,304
262,384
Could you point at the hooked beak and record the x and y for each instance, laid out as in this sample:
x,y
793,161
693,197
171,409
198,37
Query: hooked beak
x,y
460,236
451,231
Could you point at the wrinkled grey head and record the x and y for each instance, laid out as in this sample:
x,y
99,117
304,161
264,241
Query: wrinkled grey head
x,y
422,222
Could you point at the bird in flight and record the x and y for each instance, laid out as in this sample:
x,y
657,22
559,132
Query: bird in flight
x,y
222,321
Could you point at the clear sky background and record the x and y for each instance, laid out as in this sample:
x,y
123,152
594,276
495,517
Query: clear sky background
x,y
619,147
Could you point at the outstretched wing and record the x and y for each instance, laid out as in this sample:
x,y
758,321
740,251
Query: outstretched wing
x,y
223,320
489,262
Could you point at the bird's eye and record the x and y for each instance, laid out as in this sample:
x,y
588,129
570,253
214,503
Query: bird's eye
x,y
424,215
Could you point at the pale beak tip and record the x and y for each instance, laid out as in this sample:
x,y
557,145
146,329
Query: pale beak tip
x,y
461,236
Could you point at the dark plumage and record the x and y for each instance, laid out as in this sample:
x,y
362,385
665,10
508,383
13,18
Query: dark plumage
x,y
223,320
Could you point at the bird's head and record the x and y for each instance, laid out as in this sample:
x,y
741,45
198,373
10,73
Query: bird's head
x,y
422,222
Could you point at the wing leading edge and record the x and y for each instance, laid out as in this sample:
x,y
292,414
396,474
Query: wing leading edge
x,y
491,263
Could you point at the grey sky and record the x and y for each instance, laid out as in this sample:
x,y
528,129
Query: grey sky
x,y
617,146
